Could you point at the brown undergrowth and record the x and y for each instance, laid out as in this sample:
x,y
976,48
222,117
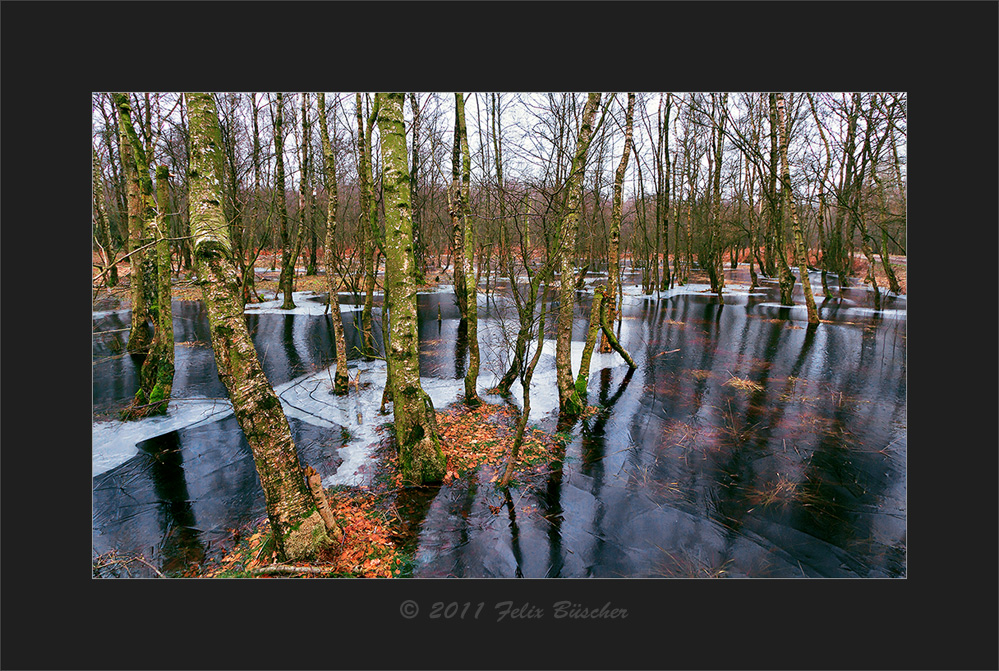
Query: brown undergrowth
x,y
373,531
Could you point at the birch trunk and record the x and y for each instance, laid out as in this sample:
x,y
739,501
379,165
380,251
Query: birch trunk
x,y
139,339
457,230
421,459
569,402
298,528
784,277
799,241
614,246
341,379
370,248
287,280
102,229
471,282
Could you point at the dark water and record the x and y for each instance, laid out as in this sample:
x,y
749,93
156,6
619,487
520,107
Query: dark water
x,y
745,444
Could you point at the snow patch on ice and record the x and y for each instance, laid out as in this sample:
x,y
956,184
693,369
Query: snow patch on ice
x,y
115,442
302,306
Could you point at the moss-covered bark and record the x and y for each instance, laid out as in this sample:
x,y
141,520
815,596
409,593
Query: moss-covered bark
x,y
156,375
297,524
421,459
341,379
569,401
139,339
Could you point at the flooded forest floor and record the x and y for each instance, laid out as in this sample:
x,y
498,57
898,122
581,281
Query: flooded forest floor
x,y
745,444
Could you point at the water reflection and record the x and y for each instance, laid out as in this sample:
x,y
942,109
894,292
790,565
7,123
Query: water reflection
x,y
745,444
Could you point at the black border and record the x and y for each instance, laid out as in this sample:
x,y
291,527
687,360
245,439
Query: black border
x,y
943,615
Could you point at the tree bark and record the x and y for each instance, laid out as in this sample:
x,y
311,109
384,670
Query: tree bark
x,y
287,279
298,528
341,379
139,339
614,246
419,244
716,274
102,229
784,277
421,459
370,247
471,282
569,402
799,241
457,230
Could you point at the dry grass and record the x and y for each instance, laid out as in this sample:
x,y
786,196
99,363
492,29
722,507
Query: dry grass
x,y
742,384
685,565
783,490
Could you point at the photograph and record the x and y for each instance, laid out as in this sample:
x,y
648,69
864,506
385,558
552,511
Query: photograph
x,y
544,335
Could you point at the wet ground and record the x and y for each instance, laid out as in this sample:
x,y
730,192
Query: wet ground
x,y
745,444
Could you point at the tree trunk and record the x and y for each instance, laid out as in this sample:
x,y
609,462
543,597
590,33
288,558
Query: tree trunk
x,y
419,244
370,248
102,230
457,230
298,528
304,192
525,379
139,339
341,379
614,251
823,206
784,277
287,280
591,338
569,402
799,241
421,459
471,282
158,368
716,273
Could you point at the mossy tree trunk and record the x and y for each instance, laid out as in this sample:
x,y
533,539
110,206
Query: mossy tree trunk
x,y
296,522
471,285
801,259
341,379
421,459
139,339
156,375
569,402
614,246
287,279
